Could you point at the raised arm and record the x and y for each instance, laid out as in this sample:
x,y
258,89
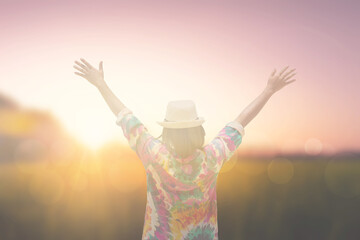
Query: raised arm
x,y
96,77
275,83
140,140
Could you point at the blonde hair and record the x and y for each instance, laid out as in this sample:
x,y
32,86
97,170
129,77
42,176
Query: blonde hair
x,y
183,141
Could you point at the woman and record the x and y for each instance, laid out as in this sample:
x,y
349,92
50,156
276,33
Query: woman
x,y
181,172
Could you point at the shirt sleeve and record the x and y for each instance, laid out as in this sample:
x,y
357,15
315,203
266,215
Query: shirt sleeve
x,y
140,140
224,145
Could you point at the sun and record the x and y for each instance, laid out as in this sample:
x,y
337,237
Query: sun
x,y
92,135
91,127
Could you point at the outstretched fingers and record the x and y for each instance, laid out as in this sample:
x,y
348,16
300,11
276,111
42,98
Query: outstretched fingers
x,y
80,69
80,74
289,76
283,70
82,65
86,63
286,74
288,82
101,66
272,74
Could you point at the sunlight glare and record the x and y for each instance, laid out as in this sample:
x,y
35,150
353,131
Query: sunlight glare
x,y
89,128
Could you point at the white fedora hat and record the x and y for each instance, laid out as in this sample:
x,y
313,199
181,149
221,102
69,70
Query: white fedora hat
x,y
181,114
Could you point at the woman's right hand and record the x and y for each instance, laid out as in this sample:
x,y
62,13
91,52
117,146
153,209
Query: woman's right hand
x,y
90,73
278,81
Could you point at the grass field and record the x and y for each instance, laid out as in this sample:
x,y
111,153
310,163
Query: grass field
x,y
102,195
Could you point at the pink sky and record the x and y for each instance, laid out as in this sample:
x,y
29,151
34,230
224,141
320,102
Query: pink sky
x,y
217,53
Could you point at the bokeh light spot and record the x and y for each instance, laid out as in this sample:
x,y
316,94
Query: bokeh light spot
x,y
280,170
230,163
313,146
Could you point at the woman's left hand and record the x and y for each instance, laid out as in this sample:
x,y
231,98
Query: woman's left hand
x,y
93,75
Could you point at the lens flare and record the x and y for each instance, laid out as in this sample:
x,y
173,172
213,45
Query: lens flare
x,y
313,146
280,171
230,163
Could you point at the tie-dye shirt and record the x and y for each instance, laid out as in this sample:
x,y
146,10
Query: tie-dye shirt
x,y
181,192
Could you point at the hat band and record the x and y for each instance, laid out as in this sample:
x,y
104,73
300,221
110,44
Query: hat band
x,y
165,120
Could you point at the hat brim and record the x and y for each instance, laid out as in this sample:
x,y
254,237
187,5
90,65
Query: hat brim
x,y
182,124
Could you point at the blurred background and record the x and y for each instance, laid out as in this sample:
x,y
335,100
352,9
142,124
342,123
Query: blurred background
x,y
66,170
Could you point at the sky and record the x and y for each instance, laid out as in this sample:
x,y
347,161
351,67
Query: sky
x,y
217,53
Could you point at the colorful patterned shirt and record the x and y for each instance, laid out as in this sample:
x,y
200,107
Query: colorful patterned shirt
x,y
181,192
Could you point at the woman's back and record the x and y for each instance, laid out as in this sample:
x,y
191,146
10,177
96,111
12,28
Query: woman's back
x,y
181,192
